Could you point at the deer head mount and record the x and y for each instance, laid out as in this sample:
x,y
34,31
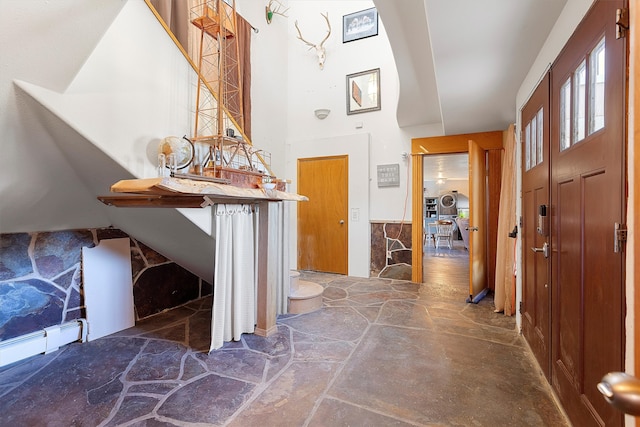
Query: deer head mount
x,y
274,8
319,48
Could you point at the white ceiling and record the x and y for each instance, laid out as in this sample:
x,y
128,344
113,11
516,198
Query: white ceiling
x,y
451,167
461,62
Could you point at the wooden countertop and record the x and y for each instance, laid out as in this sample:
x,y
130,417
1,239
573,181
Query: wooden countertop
x,y
186,193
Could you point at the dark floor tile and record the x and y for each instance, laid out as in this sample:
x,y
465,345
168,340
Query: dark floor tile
x,y
131,408
443,378
275,345
212,399
333,293
332,351
331,322
191,368
80,387
380,352
405,314
158,321
290,398
159,360
333,413
240,364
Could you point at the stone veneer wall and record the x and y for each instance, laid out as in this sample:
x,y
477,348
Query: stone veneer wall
x,y
41,279
391,250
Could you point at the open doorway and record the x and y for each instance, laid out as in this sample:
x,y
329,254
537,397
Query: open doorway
x,y
485,152
446,208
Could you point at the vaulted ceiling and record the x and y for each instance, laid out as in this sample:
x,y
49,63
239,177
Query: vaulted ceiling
x,y
461,62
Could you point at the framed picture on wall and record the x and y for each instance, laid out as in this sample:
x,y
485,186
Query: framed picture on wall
x,y
360,25
363,91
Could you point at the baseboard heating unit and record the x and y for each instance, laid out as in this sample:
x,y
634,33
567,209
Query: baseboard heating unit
x,y
45,341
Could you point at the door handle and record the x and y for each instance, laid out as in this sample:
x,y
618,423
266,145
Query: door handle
x,y
341,221
471,228
544,249
622,391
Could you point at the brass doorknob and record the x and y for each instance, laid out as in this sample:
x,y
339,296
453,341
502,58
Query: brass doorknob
x,y
622,391
341,221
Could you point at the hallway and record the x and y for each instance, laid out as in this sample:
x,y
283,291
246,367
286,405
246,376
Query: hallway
x,y
380,352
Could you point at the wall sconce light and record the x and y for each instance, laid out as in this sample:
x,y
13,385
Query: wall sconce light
x,y
322,113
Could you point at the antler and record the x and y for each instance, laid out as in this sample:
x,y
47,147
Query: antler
x,y
301,38
319,48
270,10
326,18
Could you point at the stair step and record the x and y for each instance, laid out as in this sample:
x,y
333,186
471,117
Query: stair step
x,y
306,290
294,273
294,280
307,297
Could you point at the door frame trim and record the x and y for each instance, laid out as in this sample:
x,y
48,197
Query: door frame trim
x,y
632,286
437,145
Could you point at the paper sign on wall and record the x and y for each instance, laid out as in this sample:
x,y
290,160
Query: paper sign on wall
x,y
389,175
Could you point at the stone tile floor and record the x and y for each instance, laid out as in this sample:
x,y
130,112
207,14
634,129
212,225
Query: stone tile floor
x,y
381,352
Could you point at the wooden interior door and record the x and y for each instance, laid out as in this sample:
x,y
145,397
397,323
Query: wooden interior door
x,y
323,221
587,191
535,232
477,222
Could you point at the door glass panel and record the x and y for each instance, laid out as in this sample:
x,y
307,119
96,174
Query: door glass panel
x,y
539,136
534,150
527,145
565,115
533,141
596,88
579,101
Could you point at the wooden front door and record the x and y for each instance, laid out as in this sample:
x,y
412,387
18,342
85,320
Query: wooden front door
x,y
536,309
322,221
587,200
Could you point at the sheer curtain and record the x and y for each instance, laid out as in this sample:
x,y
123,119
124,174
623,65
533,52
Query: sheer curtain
x,y
236,267
234,280
279,254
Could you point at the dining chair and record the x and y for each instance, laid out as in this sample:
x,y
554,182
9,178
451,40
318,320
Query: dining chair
x,y
444,233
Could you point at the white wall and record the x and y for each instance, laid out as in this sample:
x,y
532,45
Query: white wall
x,y
310,88
45,43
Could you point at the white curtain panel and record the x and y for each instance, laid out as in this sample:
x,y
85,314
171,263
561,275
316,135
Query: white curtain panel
x,y
279,253
234,288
